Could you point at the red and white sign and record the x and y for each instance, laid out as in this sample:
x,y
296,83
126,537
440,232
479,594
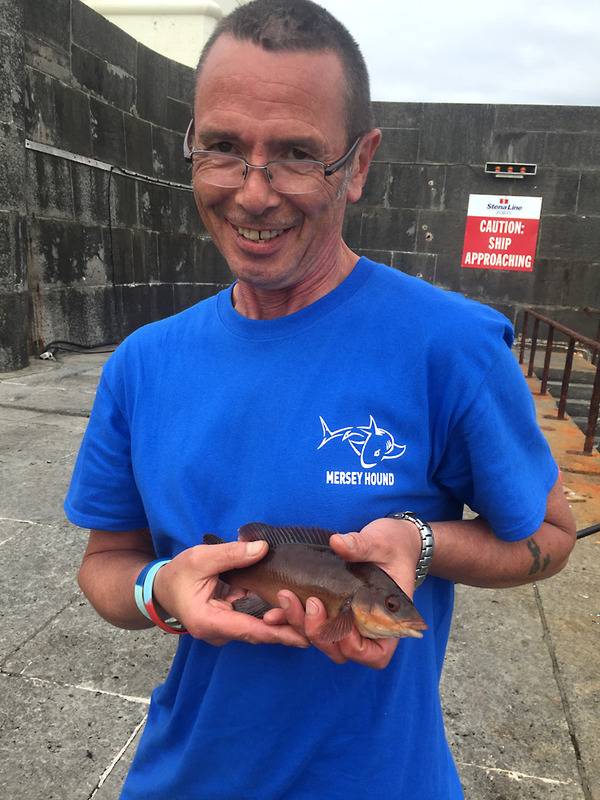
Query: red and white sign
x,y
501,232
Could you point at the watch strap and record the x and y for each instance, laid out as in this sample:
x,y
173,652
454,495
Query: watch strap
x,y
427,543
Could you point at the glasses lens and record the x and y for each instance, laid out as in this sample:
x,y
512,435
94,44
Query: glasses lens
x,y
296,177
219,170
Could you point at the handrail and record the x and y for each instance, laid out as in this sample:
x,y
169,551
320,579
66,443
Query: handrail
x,y
573,337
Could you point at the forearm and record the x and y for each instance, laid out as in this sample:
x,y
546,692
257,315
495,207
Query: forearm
x,y
107,578
468,552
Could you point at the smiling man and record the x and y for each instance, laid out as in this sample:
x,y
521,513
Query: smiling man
x,y
319,389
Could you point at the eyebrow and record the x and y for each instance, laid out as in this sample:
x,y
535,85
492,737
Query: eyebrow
x,y
305,143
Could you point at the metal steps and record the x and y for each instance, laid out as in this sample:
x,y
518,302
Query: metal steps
x,y
578,397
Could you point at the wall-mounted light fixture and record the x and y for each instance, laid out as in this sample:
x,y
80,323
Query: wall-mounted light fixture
x,y
503,169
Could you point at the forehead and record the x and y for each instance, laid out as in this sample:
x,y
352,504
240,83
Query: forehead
x,y
285,92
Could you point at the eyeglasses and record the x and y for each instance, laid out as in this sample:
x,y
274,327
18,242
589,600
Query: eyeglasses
x,y
286,176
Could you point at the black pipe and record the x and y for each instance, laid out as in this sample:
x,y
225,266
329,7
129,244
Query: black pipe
x,y
588,531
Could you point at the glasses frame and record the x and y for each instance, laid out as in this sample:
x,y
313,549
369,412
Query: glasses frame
x,y
328,169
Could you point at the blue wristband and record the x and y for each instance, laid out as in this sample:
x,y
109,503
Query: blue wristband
x,y
139,584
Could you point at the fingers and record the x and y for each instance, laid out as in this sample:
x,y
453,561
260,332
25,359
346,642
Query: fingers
x,y
275,616
374,653
223,624
394,545
351,546
316,616
309,622
215,558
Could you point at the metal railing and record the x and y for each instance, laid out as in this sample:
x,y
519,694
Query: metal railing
x,y
573,338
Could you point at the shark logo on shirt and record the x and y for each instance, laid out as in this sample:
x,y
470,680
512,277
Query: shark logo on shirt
x,y
370,442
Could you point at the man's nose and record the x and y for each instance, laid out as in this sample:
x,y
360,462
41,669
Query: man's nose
x,y
256,194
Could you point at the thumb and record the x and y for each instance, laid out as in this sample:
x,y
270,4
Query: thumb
x,y
232,555
351,546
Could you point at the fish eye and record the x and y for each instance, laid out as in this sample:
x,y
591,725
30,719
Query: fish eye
x,y
392,603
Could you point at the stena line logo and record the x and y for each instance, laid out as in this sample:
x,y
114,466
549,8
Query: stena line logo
x,y
372,444
503,204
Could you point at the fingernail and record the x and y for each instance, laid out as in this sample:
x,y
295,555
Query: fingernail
x,y
311,608
284,602
253,548
349,541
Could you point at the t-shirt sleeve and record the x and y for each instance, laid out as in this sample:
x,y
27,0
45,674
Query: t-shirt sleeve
x,y
103,492
497,460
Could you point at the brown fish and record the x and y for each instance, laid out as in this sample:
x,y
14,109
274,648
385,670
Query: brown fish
x,y
301,560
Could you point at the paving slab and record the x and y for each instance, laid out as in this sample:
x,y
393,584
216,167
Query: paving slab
x,y
571,608
111,782
36,492
79,647
65,386
29,442
56,741
492,784
37,564
503,708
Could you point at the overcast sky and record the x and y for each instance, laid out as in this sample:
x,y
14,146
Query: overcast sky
x,y
506,51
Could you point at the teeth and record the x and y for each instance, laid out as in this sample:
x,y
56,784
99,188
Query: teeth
x,y
255,236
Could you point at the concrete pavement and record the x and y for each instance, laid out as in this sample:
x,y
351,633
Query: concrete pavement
x,y
521,689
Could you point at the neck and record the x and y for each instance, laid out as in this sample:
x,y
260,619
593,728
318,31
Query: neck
x,y
257,302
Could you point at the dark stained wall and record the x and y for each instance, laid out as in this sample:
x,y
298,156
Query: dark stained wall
x,y
86,256
14,296
414,210
108,252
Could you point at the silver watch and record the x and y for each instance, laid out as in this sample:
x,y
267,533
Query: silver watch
x,y
427,543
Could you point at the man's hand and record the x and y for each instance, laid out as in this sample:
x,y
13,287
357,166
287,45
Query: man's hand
x,y
393,545
185,589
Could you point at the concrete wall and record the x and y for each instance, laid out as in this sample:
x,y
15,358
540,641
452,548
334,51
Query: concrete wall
x,y
14,306
78,266
93,90
413,214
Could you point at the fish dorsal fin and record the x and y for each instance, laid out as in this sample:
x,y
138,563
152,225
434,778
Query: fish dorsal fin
x,y
211,538
284,535
337,628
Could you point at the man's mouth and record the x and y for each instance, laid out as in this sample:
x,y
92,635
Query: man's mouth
x,y
259,235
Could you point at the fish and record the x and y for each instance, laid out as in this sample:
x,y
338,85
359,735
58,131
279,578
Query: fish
x,y
300,560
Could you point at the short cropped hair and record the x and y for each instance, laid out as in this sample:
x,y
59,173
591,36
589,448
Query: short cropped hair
x,y
295,25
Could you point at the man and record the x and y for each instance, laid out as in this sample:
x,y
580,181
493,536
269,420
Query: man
x,y
320,389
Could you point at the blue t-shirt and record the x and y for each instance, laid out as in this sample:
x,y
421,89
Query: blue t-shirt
x,y
208,420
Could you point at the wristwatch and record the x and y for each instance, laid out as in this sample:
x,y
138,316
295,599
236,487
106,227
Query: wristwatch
x,y
427,543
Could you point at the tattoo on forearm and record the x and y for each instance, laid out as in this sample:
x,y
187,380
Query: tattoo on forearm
x,y
546,562
537,565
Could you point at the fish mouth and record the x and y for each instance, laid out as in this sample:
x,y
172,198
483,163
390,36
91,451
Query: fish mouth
x,y
374,623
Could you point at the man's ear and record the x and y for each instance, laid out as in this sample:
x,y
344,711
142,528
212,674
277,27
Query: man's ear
x,y
361,162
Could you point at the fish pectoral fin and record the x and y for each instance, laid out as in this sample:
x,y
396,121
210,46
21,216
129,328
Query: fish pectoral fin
x,y
221,590
253,605
337,627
